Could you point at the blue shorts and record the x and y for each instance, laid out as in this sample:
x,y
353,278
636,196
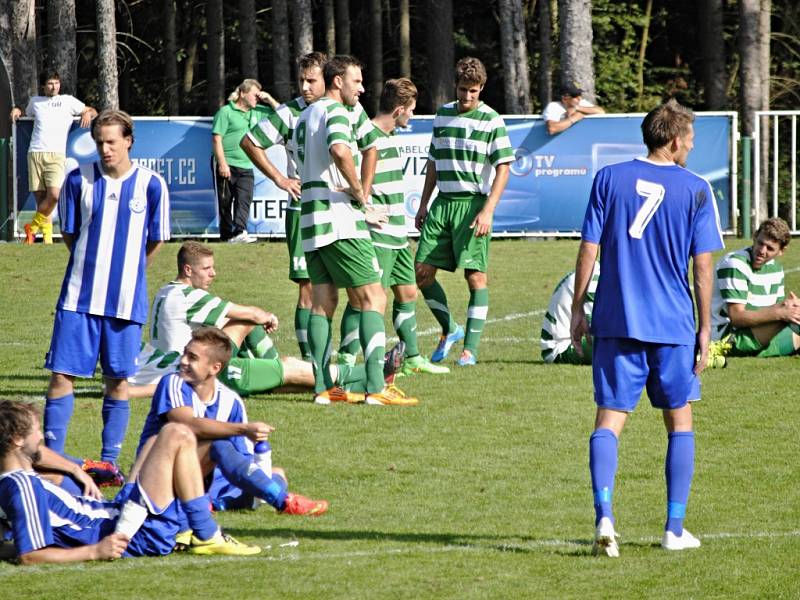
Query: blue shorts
x,y
156,536
622,368
79,338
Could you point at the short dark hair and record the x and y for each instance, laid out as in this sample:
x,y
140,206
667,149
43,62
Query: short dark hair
x,y
16,421
775,229
470,70
337,66
312,59
190,252
47,75
397,92
572,91
217,341
113,117
664,123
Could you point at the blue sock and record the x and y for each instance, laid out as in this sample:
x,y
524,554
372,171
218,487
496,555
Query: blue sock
x,y
198,513
115,424
57,413
238,469
678,469
603,467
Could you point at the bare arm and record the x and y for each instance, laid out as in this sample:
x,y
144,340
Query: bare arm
x,y
483,220
787,311
590,110
110,547
573,116
579,326
703,267
265,165
52,461
368,163
344,162
67,238
16,113
211,429
87,115
253,314
219,156
151,250
427,192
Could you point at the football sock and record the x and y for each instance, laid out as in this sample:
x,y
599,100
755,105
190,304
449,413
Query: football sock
x,y
404,317
57,413
436,300
351,319
301,316
603,468
236,467
782,344
319,339
199,516
115,424
351,378
38,221
260,344
679,469
373,343
476,317
47,232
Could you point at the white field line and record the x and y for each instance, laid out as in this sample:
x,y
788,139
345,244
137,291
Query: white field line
x,y
296,555
511,317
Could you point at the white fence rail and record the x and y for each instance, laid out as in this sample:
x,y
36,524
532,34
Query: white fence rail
x,y
774,137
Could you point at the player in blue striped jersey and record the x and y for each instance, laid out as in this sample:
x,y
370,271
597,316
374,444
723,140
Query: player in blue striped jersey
x,y
48,524
114,216
650,216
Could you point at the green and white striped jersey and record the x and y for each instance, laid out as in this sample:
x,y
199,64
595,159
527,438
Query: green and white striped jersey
x,y
555,336
388,190
737,283
177,310
328,214
277,129
466,148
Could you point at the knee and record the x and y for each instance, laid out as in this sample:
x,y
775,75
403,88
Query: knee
x,y
179,434
476,279
424,275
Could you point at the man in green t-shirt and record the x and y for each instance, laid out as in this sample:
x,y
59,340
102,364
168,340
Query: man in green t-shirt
x,y
233,171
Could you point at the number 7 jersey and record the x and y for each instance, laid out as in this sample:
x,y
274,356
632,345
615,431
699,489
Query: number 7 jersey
x,y
649,219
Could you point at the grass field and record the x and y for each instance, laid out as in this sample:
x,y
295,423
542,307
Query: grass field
x,y
482,491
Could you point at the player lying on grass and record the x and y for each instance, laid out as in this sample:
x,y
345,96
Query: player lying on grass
x,y
752,314
213,412
48,524
185,304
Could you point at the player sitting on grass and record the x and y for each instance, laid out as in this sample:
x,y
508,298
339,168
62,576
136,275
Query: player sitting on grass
x,y
185,304
213,412
50,525
752,314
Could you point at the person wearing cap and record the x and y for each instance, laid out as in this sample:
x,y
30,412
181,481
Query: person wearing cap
x,y
563,114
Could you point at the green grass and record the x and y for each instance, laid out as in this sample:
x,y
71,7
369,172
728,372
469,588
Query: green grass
x,y
482,490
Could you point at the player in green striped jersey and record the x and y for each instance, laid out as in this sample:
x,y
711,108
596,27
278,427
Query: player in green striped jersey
x,y
278,129
752,316
469,146
556,340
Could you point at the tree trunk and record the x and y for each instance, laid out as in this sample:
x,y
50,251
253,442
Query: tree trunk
x,y
544,82
6,43
575,35
713,51
440,50
764,34
405,39
170,59
216,55
375,74
61,52
194,33
280,51
749,70
302,27
329,25
108,76
343,26
248,38
23,25
514,51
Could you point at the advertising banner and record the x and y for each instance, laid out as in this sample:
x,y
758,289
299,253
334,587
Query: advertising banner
x,y
548,189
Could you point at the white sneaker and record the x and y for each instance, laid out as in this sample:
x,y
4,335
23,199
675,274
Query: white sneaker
x,y
686,540
243,238
605,539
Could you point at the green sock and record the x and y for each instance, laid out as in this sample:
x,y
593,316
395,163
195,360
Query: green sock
x,y
476,317
348,343
352,379
319,341
780,345
436,300
404,317
373,342
260,344
301,316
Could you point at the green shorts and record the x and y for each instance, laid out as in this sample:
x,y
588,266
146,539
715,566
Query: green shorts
x,y
344,263
247,376
447,241
744,343
396,265
297,258
570,357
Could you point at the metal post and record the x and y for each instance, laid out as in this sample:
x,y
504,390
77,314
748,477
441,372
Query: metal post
x,y
5,232
746,185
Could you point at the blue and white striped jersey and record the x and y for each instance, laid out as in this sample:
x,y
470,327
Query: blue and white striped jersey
x,y
112,220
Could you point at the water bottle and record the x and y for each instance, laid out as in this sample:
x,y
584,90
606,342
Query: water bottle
x,y
263,457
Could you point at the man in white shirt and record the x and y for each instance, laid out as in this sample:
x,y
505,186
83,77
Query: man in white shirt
x,y
560,116
52,115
